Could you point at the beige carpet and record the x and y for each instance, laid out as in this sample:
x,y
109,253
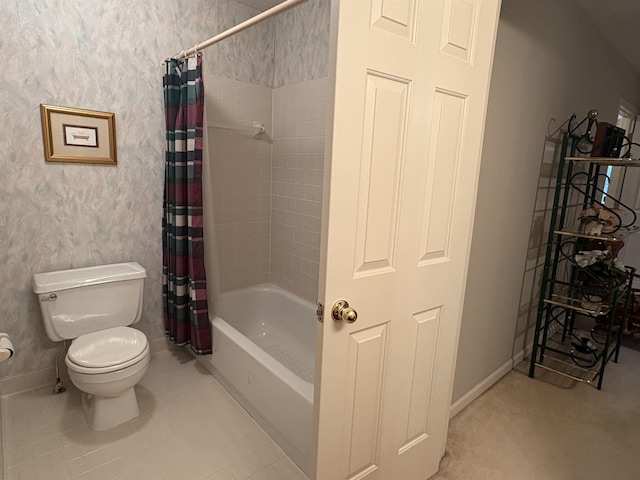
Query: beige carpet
x,y
550,428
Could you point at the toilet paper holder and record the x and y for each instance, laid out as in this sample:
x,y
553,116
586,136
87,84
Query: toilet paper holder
x,y
6,347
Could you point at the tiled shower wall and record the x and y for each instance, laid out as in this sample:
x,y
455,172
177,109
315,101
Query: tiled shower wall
x,y
297,168
267,191
241,180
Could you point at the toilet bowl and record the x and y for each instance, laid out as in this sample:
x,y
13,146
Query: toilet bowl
x,y
105,366
94,307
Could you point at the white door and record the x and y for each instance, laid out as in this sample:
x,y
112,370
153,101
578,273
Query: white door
x,y
411,86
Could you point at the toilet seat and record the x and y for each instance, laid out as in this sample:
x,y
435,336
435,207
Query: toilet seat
x,y
107,350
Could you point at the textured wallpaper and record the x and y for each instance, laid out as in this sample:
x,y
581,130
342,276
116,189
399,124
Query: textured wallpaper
x,y
302,43
246,56
106,56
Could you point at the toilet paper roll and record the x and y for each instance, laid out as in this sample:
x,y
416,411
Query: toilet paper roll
x,y
6,348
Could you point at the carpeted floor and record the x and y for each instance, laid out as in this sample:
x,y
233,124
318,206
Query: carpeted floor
x,y
550,428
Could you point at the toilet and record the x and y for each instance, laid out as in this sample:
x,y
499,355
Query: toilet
x,y
94,307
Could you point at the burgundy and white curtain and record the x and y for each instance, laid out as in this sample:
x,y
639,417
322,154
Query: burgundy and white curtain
x,y
184,283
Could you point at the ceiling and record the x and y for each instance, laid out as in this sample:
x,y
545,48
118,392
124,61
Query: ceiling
x,y
619,21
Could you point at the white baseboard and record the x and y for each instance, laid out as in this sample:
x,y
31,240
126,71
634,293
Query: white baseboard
x,y
488,382
31,380
518,357
161,345
480,388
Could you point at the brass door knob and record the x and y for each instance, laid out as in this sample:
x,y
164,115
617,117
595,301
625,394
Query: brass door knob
x,y
341,311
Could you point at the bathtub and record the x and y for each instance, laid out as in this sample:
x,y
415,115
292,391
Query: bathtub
x,y
264,354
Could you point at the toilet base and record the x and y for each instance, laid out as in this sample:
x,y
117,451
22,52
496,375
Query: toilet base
x,y
104,413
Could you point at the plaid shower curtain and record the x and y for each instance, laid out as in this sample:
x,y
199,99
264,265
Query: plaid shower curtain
x,y
184,284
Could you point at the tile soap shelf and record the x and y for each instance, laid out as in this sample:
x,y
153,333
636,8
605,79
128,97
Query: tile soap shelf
x,y
257,129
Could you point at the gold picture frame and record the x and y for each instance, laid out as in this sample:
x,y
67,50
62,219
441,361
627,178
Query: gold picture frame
x,y
75,135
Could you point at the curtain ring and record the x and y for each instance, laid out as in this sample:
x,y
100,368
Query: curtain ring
x,y
195,48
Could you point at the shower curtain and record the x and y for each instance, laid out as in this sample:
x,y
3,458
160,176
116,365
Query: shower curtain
x,y
184,284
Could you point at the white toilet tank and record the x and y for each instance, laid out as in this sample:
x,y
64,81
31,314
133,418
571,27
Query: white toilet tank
x,y
84,300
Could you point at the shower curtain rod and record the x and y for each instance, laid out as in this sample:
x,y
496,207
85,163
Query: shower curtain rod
x,y
281,7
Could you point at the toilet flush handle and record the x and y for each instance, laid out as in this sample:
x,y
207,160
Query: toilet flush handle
x,y
51,298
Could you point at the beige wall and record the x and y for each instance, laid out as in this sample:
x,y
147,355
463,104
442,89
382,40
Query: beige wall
x,y
549,63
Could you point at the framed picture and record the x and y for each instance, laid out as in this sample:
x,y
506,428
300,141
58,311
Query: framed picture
x,y
74,135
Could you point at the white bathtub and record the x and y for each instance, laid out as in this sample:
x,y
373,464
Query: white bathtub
x,y
263,352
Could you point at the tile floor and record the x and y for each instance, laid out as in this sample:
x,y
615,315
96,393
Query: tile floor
x,y
189,428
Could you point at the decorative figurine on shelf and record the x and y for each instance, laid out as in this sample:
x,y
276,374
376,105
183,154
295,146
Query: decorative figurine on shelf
x,y
598,219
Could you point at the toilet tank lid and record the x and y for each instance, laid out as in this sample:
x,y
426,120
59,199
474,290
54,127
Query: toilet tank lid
x,y
79,277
